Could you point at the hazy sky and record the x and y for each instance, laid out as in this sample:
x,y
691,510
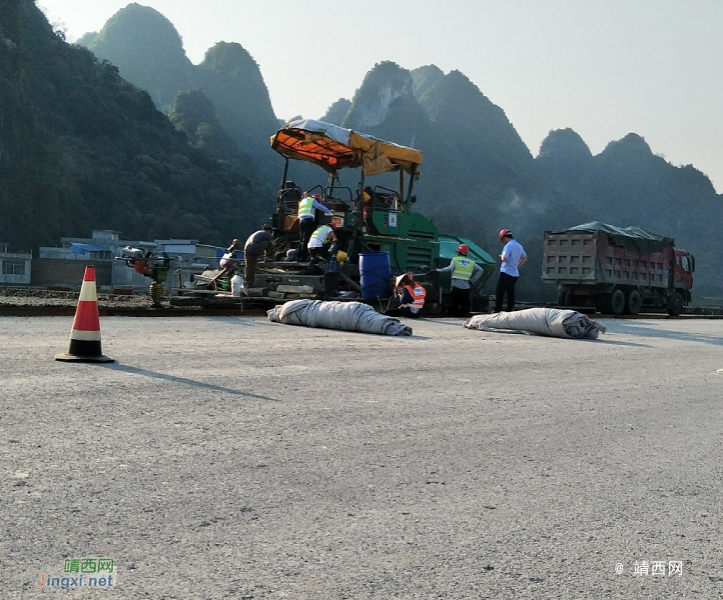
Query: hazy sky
x,y
604,68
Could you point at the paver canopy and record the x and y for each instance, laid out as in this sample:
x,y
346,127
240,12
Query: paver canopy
x,y
333,147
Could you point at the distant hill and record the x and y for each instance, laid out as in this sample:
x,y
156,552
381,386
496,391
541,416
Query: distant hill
x,y
195,115
148,51
232,80
83,149
337,111
81,146
475,163
423,78
479,177
627,184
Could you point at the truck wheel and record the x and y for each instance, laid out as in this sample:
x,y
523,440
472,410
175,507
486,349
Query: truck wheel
x,y
617,302
676,305
635,302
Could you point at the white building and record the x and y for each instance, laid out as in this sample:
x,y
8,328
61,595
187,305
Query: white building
x,y
14,266
104,246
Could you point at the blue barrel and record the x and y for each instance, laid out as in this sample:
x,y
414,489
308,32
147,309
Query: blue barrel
x,y
376,273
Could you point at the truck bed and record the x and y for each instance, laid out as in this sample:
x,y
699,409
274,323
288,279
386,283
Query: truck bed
x,y
589,257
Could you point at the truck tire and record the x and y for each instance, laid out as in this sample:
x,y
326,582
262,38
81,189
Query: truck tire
x,y
617,302
676,304
635,302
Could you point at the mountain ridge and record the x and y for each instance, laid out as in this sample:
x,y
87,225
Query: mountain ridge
x,y
478,175
84,149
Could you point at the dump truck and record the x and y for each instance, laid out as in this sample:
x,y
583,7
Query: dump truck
x,y
617,270
381,221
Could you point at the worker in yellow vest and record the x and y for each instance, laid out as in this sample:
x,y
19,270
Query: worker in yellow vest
x,y
464,273
321,241
308,205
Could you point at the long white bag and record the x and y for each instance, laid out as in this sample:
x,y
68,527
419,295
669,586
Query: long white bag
x,y
554,322
347,316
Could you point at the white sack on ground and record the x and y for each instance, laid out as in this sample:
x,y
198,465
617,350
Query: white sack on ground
x,y
553,322
347,316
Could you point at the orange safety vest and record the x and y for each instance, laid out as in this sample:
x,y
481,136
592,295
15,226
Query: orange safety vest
x,y
418,293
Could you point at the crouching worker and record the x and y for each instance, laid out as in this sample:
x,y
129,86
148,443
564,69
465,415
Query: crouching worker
x,y
322,242
411,298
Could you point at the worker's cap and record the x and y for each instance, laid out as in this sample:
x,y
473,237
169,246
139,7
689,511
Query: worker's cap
x,y
504,233
401,279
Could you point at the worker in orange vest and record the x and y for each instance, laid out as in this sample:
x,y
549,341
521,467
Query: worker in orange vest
x,y
411,297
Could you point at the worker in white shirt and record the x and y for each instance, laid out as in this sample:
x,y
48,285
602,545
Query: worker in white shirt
x,y
321,242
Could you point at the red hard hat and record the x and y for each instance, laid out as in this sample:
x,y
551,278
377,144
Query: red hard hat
x,y
503,233
463,249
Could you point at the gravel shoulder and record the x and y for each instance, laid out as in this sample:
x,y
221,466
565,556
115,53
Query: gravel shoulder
x,y
229,457
41,298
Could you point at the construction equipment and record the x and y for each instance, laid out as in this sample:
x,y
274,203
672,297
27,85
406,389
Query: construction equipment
x,y
367,219
151,264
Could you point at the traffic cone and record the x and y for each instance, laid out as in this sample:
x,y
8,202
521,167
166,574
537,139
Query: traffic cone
x,y
85,335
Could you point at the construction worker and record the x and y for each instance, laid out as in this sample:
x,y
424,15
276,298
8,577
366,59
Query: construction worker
x,y
256,245
308,205
321,241
411,297
464,273
513,257
228,255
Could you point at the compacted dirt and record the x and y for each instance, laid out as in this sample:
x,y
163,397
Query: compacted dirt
x,y
32,297
230,457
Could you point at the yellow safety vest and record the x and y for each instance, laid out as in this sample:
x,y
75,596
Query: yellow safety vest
x,y
321,234
463,268
306,207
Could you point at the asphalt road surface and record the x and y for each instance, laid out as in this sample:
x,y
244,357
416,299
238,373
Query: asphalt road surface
x,y
236,458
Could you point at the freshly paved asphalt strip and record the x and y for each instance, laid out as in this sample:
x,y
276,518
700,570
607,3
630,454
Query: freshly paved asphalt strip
x,y
234,458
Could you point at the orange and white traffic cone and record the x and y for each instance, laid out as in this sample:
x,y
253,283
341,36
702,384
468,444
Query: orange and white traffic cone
x,y
85,335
